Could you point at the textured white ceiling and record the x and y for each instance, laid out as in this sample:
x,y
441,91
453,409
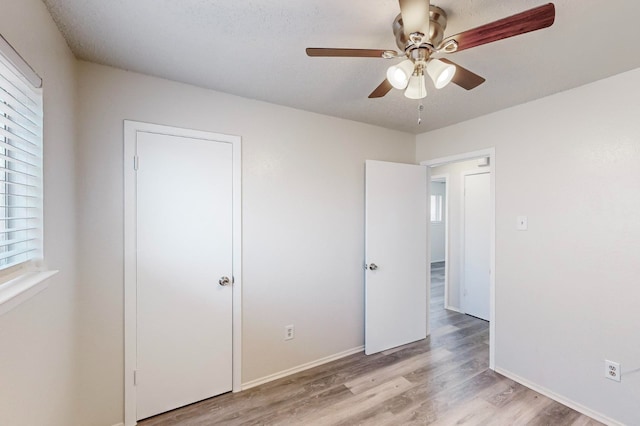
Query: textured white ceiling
x,y
255,49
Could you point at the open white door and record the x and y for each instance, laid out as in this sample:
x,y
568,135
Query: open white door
x,y
477,245
396,255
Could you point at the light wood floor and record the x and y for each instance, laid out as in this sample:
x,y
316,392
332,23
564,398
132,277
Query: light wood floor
x,y
443,380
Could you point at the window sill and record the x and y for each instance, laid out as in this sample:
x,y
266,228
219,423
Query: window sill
x,y
22,288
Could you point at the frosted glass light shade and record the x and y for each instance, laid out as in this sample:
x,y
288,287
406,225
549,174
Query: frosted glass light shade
x,y
416,89
440,73
398,75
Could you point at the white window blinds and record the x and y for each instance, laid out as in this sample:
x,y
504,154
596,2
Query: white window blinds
x,y
20,166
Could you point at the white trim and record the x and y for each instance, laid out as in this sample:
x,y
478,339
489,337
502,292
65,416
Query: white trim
x,y
559,398
459,157
119,424
491,153
428,244
22,288
453,308
131,128
11,55
447,224
237,263
299,368
130,336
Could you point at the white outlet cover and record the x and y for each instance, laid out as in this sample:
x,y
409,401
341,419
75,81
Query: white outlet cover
x,y
612,370
289,331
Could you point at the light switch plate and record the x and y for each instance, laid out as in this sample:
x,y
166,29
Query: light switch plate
x,y
521,224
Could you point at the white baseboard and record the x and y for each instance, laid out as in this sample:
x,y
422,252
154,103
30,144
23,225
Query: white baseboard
x,y
454,309
119,424
302,367
559,398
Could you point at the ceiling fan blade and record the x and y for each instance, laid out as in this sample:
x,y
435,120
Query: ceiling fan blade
x,y
415,16
350,53
530,20
463,77
381,90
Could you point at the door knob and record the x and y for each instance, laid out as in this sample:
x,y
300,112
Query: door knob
x,y
373,266
224,281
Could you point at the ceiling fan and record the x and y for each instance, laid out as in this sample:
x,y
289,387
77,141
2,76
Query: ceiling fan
x,y
419,32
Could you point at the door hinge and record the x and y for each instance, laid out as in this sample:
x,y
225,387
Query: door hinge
x,y
135,377
135,162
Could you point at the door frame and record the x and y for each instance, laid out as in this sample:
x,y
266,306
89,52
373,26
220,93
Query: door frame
x,y
491,153
463,230
131,128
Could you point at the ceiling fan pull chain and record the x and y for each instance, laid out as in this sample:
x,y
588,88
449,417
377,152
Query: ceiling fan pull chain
x,y
420,109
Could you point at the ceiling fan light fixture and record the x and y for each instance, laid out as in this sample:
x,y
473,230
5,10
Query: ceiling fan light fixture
x,y
399,75
440,72
416,89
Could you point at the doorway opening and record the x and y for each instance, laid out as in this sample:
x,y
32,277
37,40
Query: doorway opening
x,y
462,268
438,230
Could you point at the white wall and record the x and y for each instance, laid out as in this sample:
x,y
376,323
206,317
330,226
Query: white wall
x,y
303,219
456,187
437,229
38,355
567,289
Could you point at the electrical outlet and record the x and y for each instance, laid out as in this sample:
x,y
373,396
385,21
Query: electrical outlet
x,y
612,370
288,332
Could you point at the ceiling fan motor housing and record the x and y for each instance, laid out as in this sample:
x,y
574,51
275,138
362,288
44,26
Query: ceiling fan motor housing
x,y
437,25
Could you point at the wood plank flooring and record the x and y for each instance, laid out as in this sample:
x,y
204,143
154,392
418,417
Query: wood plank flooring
x,y
442,380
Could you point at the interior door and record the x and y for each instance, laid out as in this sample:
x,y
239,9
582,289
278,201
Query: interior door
x,y
477,245
396,255
184,248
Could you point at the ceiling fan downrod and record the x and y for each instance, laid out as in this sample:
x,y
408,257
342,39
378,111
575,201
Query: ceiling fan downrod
x,y
437,24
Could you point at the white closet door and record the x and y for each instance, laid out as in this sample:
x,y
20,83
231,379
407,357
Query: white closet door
x,y
184,247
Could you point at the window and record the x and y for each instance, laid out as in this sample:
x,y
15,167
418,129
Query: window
x,y
436,208
21,270
20,165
